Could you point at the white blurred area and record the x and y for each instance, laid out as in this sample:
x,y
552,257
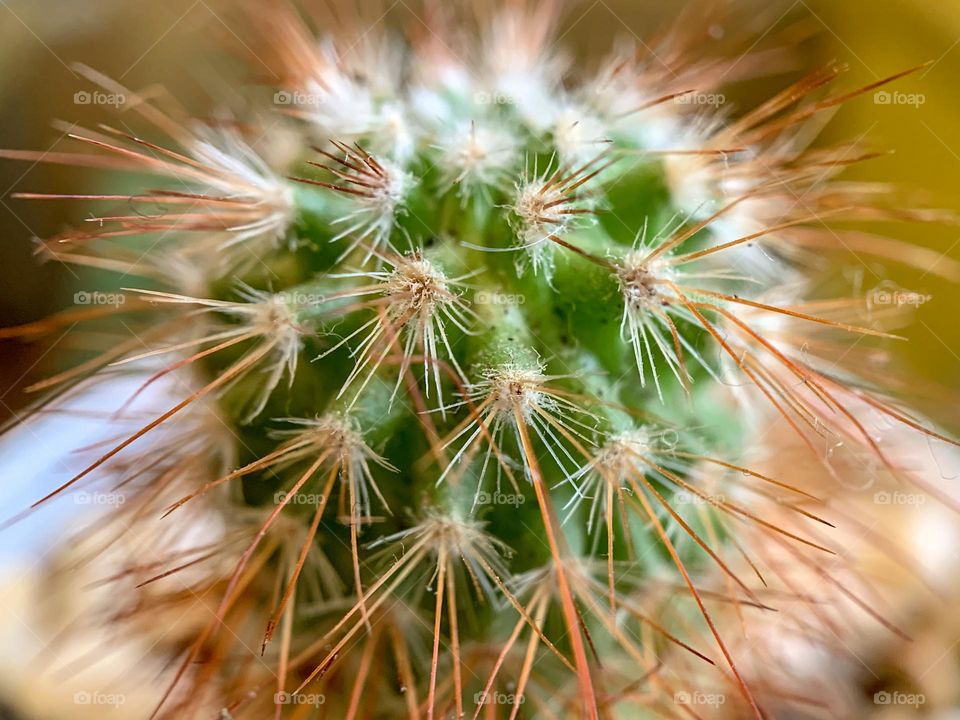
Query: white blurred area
x,y
53,445
65,648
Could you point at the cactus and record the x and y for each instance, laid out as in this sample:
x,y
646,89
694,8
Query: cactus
x,y
473,352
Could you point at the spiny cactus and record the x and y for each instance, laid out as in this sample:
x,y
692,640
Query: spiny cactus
x,y
474,350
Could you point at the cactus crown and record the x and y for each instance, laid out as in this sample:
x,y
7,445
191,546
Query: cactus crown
x,y
492,345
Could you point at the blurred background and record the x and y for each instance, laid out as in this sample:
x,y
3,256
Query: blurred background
x,y
185,45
